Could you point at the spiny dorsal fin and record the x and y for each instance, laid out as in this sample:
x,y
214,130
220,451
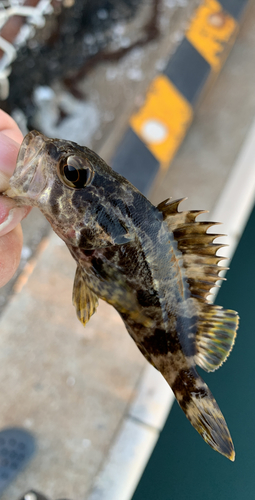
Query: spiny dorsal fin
x,y
178,219
170,207
216,328
84,300
196,245
215,336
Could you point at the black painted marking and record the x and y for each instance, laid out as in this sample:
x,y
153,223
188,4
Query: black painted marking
x,y
234,7
188,71
134,161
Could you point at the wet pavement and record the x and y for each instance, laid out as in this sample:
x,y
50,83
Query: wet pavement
x,y
73,387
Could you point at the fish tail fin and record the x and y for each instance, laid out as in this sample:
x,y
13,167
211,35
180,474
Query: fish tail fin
x,y
201,409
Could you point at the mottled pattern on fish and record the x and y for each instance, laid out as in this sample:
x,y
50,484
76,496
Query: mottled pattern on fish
x,y
155,265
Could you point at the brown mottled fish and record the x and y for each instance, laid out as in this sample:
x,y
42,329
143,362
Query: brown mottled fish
x,y
155,265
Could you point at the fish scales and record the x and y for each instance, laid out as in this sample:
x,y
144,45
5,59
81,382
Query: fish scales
x,y
155,265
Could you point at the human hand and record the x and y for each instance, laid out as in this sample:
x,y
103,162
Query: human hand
x,y
10,215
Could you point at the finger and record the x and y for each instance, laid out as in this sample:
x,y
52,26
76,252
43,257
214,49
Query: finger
x,y
10,215
8,156
10,251
10,127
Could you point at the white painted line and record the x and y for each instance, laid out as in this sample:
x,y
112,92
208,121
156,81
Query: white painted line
x,y
126,462
137,437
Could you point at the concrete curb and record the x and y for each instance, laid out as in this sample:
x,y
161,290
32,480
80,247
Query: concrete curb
x,y
157,129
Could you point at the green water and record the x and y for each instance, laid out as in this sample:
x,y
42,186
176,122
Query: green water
x,y
182,466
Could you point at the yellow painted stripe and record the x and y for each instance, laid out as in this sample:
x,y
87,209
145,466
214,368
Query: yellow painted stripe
x,y
211,31
162,121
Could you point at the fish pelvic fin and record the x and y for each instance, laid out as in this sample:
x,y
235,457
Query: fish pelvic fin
x,y
84,300
215,336
201,409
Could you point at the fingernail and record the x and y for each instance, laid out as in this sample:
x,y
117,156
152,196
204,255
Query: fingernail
x,y
10,219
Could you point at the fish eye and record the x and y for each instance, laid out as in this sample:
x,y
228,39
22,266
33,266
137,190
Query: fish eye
x,y
75,172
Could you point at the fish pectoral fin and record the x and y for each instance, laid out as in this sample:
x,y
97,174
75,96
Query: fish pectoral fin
x,y
215,337
84,300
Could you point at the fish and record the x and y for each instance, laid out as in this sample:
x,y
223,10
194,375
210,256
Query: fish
x,y
154,264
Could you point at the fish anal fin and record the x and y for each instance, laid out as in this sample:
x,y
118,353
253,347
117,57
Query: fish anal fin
x,y
84,300
215,336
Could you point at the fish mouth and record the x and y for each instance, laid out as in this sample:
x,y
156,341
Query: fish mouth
x,y
28,180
